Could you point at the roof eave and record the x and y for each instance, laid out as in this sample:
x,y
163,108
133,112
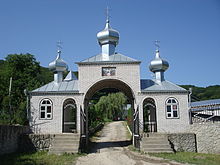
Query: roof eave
x,y
164,91
107,62
52,92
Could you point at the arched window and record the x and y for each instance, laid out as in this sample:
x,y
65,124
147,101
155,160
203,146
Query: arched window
x,y
172,108
46,109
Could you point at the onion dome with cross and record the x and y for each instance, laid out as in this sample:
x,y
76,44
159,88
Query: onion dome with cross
x,y
158,65
58,66
108,35
108,39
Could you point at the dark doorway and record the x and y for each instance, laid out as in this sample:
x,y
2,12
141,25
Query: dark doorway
x,y
150,118
69,116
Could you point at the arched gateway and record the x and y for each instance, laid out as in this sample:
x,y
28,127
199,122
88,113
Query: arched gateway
x,y
109,84
108,70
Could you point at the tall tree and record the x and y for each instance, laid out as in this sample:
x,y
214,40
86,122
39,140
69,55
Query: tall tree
x,y
111,106
25,72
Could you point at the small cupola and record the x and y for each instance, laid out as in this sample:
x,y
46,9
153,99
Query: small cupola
x,y
158,66
58,66
108,39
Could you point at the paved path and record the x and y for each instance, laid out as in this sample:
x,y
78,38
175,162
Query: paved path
x,y
110,149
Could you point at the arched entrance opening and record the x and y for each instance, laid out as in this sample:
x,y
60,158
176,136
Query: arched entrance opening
x,y
103,88
149,114
69,116
108,104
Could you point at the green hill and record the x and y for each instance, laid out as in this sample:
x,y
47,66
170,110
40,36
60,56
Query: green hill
x,y
204,93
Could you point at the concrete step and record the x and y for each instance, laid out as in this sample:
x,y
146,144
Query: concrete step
x,y
154,142
65,143
156,146
67,148
154,135
155,139
150,141
67,135
66,139
158,151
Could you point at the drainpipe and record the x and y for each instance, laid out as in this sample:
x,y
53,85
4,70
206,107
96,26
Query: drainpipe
x,y
190,113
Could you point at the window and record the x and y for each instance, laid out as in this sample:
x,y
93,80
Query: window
x,y
172,108
46,109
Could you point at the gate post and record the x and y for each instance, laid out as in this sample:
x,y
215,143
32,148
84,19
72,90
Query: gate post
x,y
136,134
83,138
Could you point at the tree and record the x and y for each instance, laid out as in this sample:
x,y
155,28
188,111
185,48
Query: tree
x,y
26,74
111,106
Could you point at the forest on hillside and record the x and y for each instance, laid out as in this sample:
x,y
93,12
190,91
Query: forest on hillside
x,y
27,74
204,93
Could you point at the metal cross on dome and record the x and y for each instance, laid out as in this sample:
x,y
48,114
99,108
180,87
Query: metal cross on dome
x,y
107,13
157,44
59,47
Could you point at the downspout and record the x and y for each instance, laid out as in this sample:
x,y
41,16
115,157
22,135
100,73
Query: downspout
x,y
190,112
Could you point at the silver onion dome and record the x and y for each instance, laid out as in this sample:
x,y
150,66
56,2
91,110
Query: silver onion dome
x,y
108,35
58,65
158,64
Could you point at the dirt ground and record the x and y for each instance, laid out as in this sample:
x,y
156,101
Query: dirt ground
x,y
110,148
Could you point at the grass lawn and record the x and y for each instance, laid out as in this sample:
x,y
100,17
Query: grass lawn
x,y
191,157
37,158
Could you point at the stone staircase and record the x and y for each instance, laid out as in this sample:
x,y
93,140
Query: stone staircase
x,y
65,143
155,143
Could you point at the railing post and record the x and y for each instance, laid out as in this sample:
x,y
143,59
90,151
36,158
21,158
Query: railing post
x,y
136,134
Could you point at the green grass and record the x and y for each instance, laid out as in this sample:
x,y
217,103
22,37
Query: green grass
x,y
38,158
191,157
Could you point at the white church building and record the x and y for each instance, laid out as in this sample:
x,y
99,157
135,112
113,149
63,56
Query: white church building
x,y
61,106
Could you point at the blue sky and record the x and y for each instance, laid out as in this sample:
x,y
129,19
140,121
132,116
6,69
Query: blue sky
x,y
188,30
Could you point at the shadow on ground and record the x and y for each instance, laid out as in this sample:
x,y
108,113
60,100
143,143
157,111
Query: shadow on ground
x,y
96,146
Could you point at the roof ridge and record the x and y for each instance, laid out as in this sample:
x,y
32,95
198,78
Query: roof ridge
x,y
121,58
176,85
